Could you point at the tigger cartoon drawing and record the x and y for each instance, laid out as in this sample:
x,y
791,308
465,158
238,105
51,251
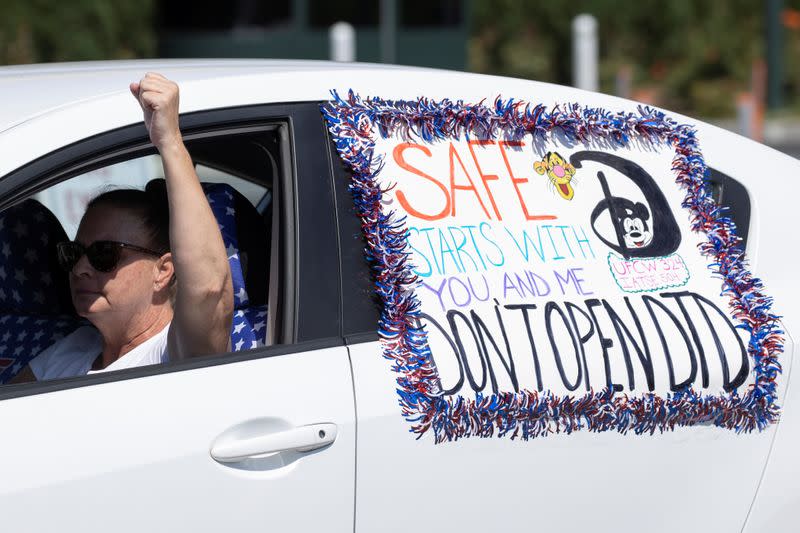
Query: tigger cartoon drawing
x,y
559,171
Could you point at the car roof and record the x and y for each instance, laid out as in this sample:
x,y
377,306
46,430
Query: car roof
x,y
40,88
48,106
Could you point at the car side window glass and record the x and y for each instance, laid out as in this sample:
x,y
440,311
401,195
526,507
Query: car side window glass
x,y
68,199
731,194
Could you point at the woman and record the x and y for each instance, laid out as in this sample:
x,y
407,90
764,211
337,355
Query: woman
x,y
154,289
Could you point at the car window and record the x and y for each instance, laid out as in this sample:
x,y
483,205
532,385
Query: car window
x,y
733,196
254,192
68,199
271,158
240,186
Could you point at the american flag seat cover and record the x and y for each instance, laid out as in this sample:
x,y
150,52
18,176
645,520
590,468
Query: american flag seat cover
x,y
249,321
35,305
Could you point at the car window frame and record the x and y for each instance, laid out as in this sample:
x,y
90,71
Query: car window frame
x,y
311,306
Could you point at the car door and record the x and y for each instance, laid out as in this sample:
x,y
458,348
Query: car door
x,y
252,441
698,478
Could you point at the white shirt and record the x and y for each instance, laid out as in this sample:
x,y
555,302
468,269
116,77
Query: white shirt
x,y
74,354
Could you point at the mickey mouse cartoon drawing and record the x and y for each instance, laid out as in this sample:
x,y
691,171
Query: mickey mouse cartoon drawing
x,y
632,218
641,229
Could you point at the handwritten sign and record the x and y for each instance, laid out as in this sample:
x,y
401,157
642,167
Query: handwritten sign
x,y
516,292
520,269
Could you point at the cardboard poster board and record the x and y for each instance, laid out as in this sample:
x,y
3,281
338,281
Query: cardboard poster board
x,y
551,270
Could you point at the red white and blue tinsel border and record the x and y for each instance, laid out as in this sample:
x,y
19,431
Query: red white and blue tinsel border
x,y
354,123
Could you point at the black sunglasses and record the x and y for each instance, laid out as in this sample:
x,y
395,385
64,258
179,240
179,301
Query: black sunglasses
x,y
102,255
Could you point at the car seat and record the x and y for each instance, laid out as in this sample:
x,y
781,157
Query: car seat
x,y
246,241
35,305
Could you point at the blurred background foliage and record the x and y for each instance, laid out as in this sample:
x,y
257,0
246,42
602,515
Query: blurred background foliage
x,y
689,55
34,31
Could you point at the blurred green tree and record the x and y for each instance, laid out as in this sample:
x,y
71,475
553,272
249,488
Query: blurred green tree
x,y
688,55
33,31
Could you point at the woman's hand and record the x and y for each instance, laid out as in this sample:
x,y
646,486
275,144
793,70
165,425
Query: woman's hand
x,y
158,98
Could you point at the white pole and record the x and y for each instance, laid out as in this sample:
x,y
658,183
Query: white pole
x,y
342,42
388,30
584,52
745,115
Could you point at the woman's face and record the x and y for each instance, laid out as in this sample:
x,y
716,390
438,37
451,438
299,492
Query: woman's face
x,y
126,290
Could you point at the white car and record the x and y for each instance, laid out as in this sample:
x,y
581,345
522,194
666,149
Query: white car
x,y
494,305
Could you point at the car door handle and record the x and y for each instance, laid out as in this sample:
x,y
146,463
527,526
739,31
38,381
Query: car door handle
x,y
299,439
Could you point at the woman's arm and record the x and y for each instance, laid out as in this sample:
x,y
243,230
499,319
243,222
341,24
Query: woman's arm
x,y
204,299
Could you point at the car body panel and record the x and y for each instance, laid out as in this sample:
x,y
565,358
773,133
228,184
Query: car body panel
x,y
704,477
134,455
